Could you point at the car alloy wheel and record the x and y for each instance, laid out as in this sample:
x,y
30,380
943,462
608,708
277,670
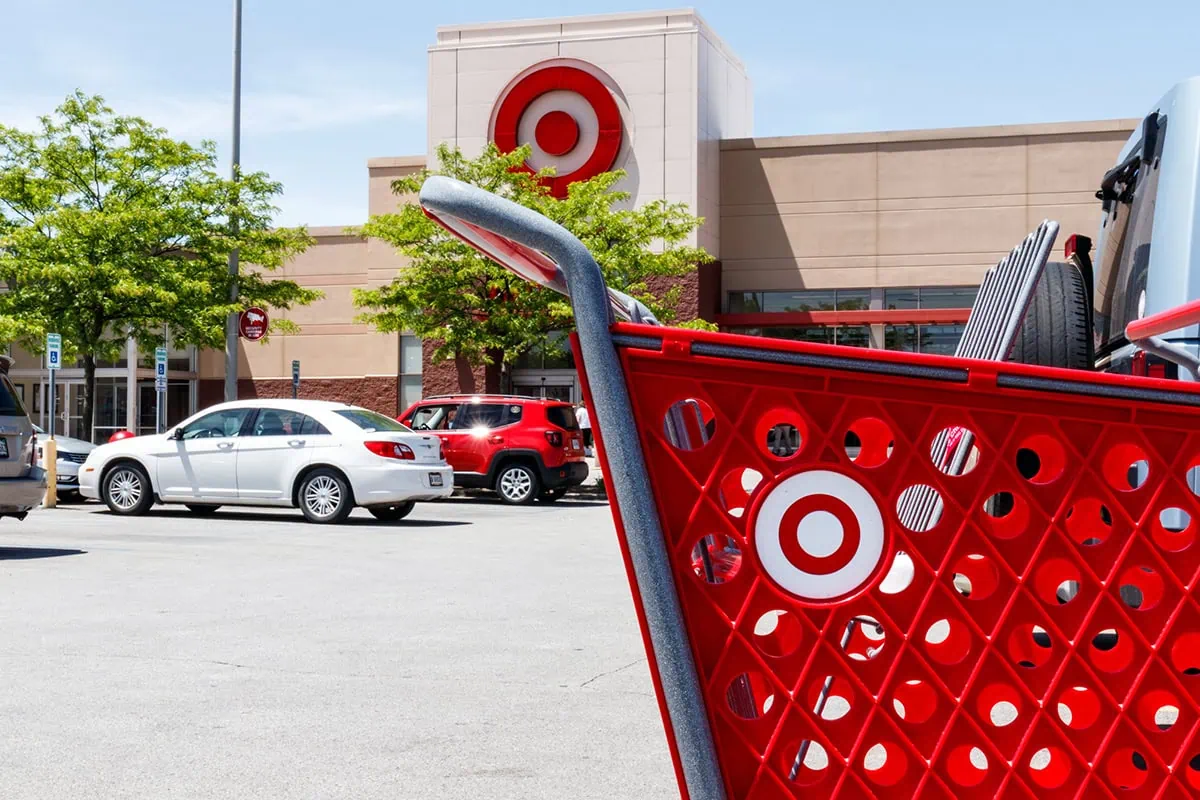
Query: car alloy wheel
x,y
517,484
125,489
323,496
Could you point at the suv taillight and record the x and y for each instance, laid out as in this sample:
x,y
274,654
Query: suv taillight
x,y
33,451
391,450
554,438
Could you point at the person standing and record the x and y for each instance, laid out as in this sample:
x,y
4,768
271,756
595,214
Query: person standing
x,y
585,425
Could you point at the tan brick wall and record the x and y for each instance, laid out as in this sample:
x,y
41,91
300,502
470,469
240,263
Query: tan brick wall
x,y
903,209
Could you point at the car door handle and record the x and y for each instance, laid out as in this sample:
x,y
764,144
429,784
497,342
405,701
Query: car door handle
x,y
296,442
224,445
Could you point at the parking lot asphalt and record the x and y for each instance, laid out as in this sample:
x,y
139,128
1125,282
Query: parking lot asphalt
x,y
472,651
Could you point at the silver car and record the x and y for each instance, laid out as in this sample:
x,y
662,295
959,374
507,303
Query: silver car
x,y
22,481
71,455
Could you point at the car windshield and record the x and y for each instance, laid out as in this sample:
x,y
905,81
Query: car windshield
x,y
371,421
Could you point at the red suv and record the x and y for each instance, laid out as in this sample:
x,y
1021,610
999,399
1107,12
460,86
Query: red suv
x,y
525,448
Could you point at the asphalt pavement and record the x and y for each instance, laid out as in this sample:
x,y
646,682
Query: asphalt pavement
x,y
472,651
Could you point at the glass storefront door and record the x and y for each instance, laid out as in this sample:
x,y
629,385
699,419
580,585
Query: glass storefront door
x,y
68,407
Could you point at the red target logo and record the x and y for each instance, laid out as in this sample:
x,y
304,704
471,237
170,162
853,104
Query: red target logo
x,y
570,119
819,536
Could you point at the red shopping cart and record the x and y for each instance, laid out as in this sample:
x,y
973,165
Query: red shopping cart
x,y
1030,634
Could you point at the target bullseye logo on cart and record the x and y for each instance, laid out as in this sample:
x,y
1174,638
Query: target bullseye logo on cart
x,y
567,115
819,535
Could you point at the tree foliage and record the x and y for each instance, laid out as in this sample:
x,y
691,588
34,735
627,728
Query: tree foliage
x,y
110,228
479,311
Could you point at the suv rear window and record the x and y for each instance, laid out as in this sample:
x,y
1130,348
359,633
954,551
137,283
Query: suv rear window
x,y
563,417
10,403
1125,260
370,421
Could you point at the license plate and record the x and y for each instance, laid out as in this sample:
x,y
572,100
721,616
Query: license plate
x,y
435,479
574,444
3,447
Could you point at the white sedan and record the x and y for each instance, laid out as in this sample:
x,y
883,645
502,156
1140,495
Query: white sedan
x,y
324,457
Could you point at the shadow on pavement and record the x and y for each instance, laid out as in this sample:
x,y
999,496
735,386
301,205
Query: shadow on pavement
x,y
493,500
28,553
298,519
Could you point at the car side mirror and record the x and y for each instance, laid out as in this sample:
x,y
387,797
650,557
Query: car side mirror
x,y
177,434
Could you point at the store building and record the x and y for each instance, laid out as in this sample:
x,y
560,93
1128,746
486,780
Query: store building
x,y
865,239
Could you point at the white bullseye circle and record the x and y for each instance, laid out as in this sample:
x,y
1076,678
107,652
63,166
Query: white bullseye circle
x,y
820,534
580,110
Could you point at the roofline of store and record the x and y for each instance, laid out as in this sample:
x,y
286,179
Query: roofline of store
x,y
932,134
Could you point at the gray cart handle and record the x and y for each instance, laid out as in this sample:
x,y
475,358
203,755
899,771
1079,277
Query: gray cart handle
x,y
521,240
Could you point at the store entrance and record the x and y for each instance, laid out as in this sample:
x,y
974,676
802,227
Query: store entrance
x,y
68,408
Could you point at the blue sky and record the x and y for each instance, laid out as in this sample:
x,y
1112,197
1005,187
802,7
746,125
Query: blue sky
x,y
328,85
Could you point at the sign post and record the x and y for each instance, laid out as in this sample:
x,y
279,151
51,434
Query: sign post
x,y
160,386
295,378
50,449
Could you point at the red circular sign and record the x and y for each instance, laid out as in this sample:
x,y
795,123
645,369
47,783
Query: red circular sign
x,y
253,322
557,132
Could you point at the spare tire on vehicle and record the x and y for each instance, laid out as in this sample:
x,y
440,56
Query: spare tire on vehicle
x,y
1057,331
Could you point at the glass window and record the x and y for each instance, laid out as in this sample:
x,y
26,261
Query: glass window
x,y
563,417
310,427
371,421
217,425
1125,253
433,418
900,337
821,334
948,296
479,415
274,422
10,401
745,302
940,339
899,299
410,355
410,390
799,301
853,299
853,336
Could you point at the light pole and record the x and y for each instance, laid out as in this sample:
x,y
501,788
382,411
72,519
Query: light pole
x,y
231,323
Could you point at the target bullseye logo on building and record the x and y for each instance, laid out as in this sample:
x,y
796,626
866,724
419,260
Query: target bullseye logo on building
x,y
570,117
819,535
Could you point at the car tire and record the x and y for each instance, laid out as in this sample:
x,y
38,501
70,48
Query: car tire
x,y
392,513
127,490
1056,330
202,510
325,497
517,484
552,495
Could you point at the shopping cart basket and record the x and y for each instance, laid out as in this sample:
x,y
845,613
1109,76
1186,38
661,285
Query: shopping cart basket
x,y
803,640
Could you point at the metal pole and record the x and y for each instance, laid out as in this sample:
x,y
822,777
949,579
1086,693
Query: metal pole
x,y
231,323
50,453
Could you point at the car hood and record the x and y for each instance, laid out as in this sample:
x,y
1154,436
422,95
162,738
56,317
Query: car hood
x,y
66,444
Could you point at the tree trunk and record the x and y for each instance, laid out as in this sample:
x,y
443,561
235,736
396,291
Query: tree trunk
x,y
466,374
89,396
493,372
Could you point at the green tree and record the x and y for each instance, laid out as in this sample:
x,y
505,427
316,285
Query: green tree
x,y
110,228
478,312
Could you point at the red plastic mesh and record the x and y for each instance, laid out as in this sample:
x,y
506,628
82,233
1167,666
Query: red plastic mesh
x,y
1045,644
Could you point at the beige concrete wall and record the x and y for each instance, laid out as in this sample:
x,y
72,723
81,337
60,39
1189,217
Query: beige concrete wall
x,y
330,343
903,209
